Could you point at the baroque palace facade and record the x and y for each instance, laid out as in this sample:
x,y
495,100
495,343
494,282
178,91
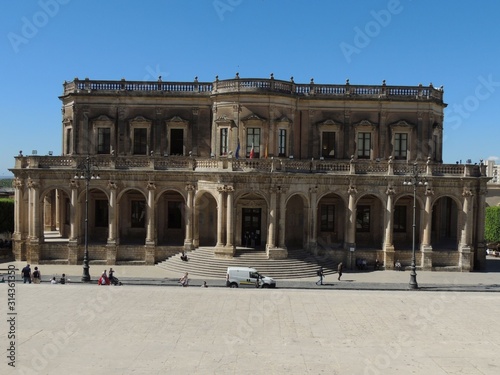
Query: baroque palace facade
x,y
254,163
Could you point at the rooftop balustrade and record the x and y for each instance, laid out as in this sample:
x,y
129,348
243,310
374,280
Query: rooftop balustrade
x,y
262,85
269,165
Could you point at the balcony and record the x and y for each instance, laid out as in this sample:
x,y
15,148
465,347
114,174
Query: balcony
x,y
270,165
257,85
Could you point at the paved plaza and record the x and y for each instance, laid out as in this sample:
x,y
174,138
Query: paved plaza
x,y
163,329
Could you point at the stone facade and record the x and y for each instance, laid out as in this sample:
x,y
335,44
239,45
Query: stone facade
x,y
256,163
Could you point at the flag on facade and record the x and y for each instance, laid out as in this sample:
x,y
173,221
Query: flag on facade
x,y
237,153
252,152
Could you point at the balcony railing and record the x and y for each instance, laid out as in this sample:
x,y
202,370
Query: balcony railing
x,y
270,165
237,85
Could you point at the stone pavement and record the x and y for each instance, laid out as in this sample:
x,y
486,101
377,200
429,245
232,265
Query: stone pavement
x,y
141,329
370,280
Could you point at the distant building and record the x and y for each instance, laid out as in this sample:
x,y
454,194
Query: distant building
x,y
259,163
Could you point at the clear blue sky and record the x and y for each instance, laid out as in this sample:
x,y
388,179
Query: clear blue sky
x,y
451,43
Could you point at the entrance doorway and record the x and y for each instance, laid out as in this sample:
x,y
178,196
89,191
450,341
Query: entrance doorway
x,y
250,229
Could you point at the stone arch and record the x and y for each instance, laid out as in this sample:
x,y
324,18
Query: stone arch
x,y
251,218
296,228
331,214
55,213
369,221
446,219
205,219
170,218
132,214
402,221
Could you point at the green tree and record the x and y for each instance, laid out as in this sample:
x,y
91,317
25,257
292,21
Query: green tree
x,y
492,224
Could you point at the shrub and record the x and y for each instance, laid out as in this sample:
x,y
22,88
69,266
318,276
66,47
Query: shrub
x,y
492,224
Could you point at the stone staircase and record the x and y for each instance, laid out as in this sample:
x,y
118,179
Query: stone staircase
x,y
202,262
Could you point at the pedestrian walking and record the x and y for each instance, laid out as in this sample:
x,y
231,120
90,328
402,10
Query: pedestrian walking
x,y
321,274
37,276
103,280
26,272
340,267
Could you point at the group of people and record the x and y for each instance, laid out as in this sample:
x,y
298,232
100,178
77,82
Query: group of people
x,y
108,278
28,276
321,273
35,277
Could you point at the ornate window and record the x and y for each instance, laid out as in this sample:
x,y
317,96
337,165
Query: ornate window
x,y
401,133
282,142
400,146
177,136
364,145
253,142
365,140
329,131
104,133
140,134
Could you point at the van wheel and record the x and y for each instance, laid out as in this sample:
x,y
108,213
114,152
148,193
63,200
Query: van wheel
x,y
265,286
233,285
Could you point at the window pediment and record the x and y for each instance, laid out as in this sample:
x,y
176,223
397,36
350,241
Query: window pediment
x,y
401,124
365,125
102,120
140,121
223,120
253,117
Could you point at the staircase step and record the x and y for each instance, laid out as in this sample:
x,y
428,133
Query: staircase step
x,y
202,262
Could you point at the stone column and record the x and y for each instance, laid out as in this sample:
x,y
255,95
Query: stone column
x,y
188,241
351,226
313,220
282,217
73,224
112,224
465,239
18,236
426,247
221,250
480,256
389,229
271,230
150,226
229,219
33,255
220,213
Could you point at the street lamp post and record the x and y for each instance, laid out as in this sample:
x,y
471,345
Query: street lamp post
x,y
86,171
415,180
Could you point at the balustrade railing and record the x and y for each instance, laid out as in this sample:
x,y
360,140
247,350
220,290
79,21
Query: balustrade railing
x,y
258,84
270,165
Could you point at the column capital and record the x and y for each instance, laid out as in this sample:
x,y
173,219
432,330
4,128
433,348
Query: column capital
x,y
33,184
112,185
429,192
73,184
190,187
390,190
467,192
151,186
351,190
313,190
18,183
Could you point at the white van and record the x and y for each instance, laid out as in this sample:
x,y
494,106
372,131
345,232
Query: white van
x,y
245,276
